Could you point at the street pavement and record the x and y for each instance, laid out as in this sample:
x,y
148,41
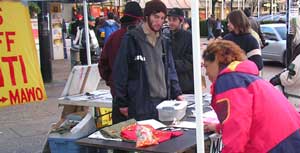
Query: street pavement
x,y
23,128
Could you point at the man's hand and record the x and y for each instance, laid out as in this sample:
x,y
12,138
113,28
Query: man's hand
x,y
180,98
124,111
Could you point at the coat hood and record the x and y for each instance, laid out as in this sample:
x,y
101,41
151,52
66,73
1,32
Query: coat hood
x,y
246,66
138,33
110,22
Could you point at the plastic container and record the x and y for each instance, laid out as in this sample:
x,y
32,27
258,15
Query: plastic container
x,y
65,143
84,128
169,110
62,145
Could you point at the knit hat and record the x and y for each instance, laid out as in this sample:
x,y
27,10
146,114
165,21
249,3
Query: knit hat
x,y
176,12
132,12
154,6
91,18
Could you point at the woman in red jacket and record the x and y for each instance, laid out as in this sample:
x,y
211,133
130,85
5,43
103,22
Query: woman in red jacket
x,y
254,116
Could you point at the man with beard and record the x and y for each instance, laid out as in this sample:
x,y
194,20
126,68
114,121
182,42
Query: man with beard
x,y
144,73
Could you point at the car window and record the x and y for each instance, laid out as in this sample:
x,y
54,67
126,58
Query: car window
x,y
269,33
282,32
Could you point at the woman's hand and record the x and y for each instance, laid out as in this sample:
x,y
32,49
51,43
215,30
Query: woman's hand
x,y
208,127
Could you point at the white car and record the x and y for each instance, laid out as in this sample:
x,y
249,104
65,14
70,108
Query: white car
x,y
275,36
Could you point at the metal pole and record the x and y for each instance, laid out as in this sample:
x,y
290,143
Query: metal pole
x,y
238,4
45,41
211,7
197,76
206,10
258,6
289,34
243,4
222,10
87,31
275,5
272,9
292,16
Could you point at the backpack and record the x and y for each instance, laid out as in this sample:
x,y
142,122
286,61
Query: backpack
x,y
92,39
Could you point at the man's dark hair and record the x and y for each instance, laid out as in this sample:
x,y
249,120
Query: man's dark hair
x,y
154,6
110,15
247,12
176,12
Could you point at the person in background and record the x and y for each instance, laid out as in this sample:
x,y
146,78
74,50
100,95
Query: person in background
x,y
255,26
74,26
132,16
187,25
99,22
239,27
182,49
290,77
80,41
244,107
211,22
144,73
218,30
109,26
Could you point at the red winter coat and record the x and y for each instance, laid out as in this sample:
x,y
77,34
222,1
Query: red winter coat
x,y
108,55
254,116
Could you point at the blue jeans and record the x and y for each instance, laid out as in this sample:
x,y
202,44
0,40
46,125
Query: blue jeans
x,y
210,33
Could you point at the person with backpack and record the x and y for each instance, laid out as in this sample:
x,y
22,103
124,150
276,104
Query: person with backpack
x,y
132,16
78,22
80,42
109,26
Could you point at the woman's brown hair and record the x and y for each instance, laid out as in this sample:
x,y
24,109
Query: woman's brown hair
x,y
225,51
240,21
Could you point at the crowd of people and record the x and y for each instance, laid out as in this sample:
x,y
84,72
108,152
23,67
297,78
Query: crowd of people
x,y
144,64
100,29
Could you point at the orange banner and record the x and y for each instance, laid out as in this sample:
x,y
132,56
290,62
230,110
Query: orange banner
x,y
20,76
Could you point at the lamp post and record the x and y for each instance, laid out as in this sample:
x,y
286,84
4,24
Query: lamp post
x,y
86,29
222,10
206,10
45,41
258,6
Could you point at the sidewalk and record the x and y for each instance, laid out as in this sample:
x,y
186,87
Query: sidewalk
x,y
24,127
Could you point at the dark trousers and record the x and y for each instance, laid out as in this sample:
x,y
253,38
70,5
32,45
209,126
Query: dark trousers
x,y
117,117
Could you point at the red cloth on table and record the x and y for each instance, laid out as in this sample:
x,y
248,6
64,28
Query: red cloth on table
x,y
129,133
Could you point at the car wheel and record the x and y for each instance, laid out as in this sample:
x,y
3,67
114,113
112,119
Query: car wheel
x,y
284,59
